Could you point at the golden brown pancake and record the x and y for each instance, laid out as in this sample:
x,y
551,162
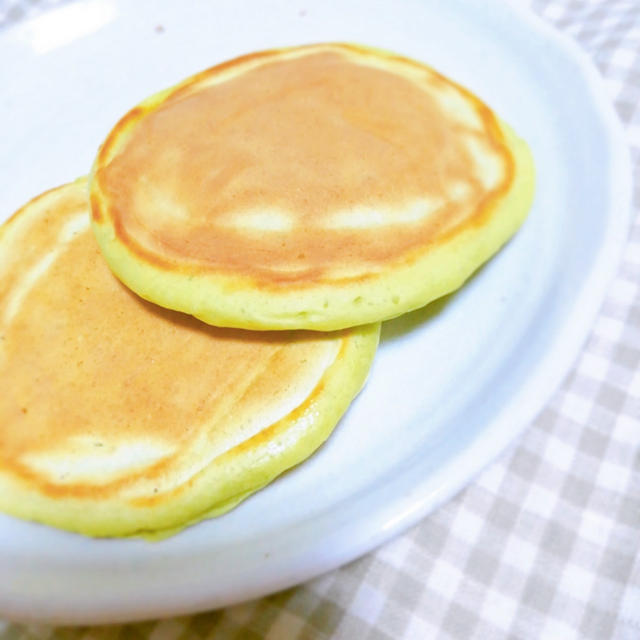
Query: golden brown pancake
x,y
316,187
118,417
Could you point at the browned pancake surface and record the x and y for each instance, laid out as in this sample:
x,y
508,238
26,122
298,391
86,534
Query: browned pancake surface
x,y
104,393
274,172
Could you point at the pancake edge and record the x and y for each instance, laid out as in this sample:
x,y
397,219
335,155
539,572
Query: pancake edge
x,y
217,488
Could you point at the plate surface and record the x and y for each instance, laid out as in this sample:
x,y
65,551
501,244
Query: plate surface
x,y
452,385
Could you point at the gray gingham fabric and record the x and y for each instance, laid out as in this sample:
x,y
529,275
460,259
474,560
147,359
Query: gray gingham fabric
x,y
545,543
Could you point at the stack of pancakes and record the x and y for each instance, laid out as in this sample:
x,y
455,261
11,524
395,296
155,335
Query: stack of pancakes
x,y
262,218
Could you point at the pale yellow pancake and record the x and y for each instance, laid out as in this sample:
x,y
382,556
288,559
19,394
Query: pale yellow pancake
x,y
118,417
315,187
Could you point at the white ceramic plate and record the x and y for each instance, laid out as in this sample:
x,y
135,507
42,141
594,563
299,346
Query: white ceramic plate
x,y
452,385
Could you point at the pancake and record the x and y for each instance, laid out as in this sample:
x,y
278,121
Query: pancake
x,y
118,417
316,187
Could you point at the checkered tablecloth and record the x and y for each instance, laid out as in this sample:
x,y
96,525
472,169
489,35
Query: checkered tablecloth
x,y
546,542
